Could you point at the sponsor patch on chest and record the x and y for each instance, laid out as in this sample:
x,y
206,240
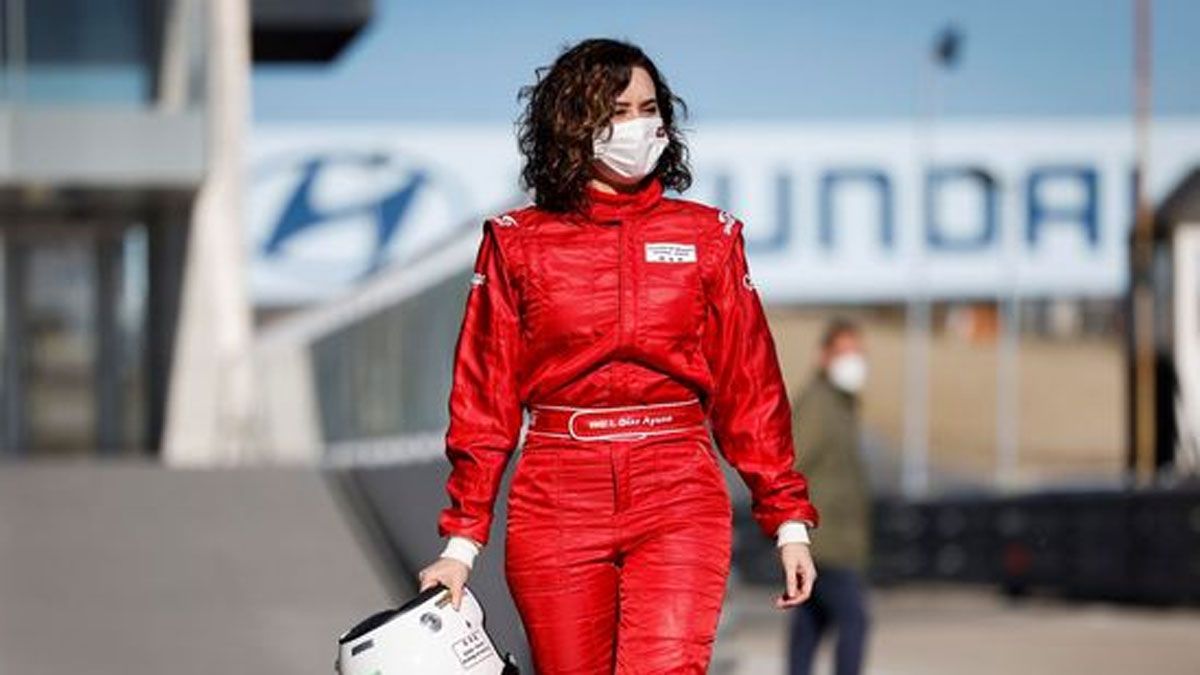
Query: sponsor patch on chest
x,y
670,252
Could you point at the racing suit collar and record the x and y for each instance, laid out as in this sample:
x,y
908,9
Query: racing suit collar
x,y
607,206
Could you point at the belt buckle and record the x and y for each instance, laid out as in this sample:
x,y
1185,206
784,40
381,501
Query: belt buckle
x,y
628,435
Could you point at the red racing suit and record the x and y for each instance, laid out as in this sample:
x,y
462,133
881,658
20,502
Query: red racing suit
x,y
636,298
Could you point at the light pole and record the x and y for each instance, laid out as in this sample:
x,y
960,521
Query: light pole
x,y
1142,432
918,311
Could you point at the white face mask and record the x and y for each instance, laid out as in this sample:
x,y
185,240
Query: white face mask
x,y
633,150
848,372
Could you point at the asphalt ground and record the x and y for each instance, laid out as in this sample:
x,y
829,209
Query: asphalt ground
x,y
936,630
132,569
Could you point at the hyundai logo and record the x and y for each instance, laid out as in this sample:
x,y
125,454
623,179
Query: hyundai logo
x,y
324,220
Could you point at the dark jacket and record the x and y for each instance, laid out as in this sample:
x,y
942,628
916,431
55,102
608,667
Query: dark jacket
x,y
825,426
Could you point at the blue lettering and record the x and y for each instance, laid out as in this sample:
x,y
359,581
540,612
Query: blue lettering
x,y
1085,214
935,236
833,179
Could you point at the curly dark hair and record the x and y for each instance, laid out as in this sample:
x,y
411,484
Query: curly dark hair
x,y
571,101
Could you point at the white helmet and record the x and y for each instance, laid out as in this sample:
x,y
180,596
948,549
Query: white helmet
x,y
424,635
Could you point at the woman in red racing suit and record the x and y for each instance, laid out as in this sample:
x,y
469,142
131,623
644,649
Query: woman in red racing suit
x,y
627,323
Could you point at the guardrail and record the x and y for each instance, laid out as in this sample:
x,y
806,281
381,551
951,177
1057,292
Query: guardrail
x,y
1123,545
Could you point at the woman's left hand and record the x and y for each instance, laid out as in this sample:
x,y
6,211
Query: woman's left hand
x,y
799,573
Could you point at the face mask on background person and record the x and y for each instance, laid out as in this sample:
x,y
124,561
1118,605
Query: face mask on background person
x,y
633,149
848,372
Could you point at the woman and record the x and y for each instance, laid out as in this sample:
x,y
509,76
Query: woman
x,y
624,320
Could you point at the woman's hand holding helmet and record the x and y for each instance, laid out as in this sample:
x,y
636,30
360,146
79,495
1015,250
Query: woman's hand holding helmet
x,y
450,572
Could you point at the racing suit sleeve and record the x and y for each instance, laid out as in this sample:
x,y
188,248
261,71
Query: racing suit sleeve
x,y
750,414
485,406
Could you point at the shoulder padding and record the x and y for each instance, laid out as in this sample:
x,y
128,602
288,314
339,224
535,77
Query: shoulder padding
x,y
718,231
507,228
508,219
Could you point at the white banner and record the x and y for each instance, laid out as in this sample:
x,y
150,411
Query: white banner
x,y
848,212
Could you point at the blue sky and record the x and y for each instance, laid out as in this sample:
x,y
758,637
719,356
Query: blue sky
x,y
463,61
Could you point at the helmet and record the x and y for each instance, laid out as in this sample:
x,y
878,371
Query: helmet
x,y
424,635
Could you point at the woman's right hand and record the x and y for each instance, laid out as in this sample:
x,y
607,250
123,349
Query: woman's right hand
x,y
452,573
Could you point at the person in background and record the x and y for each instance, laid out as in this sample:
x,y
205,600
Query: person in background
x,y
825,426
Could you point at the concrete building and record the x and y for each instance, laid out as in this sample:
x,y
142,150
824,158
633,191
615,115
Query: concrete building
x,y
121,135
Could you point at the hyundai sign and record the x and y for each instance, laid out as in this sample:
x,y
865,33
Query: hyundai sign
x,y
855,212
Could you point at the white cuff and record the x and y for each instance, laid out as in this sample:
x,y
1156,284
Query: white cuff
x,y
791,531
463,549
